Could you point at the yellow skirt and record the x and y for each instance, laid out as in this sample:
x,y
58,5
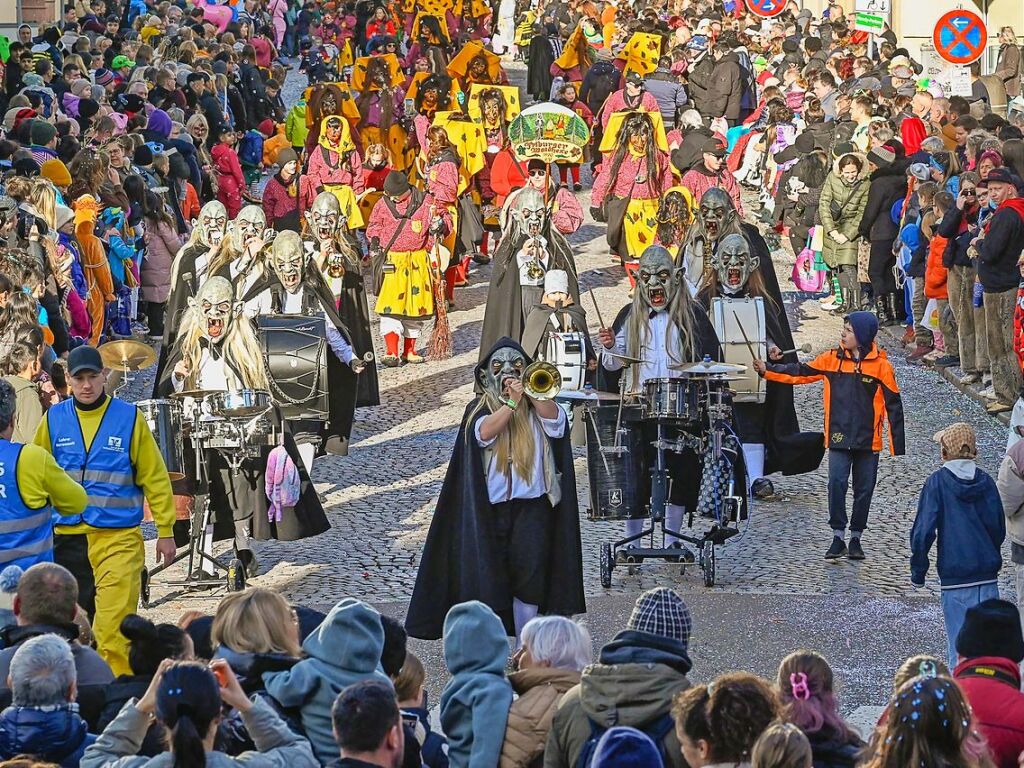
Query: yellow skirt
x,y
396,141
407,292
640,226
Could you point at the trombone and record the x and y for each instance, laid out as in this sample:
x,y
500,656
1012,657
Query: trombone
x,y
541,380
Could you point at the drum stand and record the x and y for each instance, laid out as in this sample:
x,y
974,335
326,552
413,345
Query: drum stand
x,y
619,552
195,577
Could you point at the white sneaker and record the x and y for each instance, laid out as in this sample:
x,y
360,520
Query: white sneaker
x,y
988,393
830,304
830,299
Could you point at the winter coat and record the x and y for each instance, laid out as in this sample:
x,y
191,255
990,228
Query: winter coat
x,y
935,274
830,752
344,649
851,199
52,735
967,516
1010,482
119,693
888,185
295,127
230,180
958,238
999,251
998,705
637,676
1008,68
725,89
668,92
28,411
529,719
279,206
162,245
278,747
476,700
232,736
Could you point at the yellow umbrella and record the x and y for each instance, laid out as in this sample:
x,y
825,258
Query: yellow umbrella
x,y
511,93
359,83
458,66
642,52
611,134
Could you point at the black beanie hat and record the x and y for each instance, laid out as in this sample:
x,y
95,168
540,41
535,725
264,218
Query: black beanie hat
x,y
991,628
143,156
396,184
25,166
88,108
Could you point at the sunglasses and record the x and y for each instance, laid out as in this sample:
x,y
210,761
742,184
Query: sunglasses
x,y
969,193
538,172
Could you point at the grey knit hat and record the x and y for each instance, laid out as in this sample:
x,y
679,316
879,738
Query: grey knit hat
x,y
661,611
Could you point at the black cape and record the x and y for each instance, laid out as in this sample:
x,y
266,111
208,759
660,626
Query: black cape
x,y
504,314
354,311
538,323
341,379
458,563
538,72
244,494
787,449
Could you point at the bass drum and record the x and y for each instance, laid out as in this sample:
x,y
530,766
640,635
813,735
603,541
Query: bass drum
x,y
617,472
295,354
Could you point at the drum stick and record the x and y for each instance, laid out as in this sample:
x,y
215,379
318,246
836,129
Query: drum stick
x,y
753,355
596,308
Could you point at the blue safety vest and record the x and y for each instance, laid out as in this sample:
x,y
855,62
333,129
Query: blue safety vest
x,y
105,470
26,534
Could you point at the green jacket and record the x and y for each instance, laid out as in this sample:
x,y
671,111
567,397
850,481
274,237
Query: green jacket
x,y
851,199
295,124
614,694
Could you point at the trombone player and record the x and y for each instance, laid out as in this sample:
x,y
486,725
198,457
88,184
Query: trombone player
x,y
506,528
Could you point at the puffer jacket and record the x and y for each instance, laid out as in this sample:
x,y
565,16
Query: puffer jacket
x,y
634,682
1010,482
162,245
852,199
529,719
55,736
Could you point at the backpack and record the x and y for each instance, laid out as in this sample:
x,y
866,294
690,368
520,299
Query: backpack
x,y
657,729
250,148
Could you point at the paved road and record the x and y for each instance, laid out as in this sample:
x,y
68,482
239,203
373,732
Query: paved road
x,y
774,593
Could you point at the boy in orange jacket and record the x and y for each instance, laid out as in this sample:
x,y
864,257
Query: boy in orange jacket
x,y
860,389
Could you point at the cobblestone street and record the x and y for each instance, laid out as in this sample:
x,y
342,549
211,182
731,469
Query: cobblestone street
x,y
380,500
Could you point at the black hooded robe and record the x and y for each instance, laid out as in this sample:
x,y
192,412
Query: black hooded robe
x,y
541,56
504,314
244,493
341,378
459,562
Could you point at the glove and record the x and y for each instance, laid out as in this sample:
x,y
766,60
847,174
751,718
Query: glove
x,y
839,237
357,365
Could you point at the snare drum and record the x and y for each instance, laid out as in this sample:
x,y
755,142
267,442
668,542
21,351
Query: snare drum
x,y
672,400
618,471
239,404
165,421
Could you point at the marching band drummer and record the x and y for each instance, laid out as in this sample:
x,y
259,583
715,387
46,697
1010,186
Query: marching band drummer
x,y
294,286
662,326
217,350
106,444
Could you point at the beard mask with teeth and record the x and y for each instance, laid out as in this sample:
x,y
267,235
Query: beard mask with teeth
x,y
655,278
213,223
324,217
250,224
529,211
506,363
215,301
288,260
734,263
715,210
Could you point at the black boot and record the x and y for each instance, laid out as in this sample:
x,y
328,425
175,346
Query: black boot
x,y
897,311
881,309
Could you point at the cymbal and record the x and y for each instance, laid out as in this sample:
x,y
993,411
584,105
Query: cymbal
x,y
707,369
624,358
127,355
196,394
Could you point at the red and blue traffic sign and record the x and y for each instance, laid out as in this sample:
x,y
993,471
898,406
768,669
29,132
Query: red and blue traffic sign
x,y
960,36
766,9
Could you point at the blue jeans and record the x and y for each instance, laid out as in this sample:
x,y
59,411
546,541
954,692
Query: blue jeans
x,y
863,465
955,602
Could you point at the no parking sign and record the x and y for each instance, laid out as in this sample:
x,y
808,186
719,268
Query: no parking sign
x,y
766,9
960,37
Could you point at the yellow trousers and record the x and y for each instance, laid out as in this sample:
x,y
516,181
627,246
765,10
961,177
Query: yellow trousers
x,y
117,556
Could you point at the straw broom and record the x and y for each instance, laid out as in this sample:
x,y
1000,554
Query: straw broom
x,y
440,346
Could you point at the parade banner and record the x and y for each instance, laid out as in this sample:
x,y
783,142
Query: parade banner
x,y
549,132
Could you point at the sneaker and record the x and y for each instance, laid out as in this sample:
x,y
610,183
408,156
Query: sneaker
x,y
933,356
856,551
948,361
830,304
970,378
998,406
412,357
577,187
391,361
918,353
762,488
988,393
837,550
830,299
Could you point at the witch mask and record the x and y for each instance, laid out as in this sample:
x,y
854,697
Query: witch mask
x,y
734,263
656,278
504,363
529,211
716,210
288,260
216,302
212,223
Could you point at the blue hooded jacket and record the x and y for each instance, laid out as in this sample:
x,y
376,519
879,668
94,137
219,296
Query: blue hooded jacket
x,y
967,516
58,736
476,700
343,650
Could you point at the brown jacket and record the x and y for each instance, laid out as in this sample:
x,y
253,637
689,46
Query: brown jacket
x,y
539,690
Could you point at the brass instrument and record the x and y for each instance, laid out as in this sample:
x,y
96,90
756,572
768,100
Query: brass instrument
x,y
541,380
